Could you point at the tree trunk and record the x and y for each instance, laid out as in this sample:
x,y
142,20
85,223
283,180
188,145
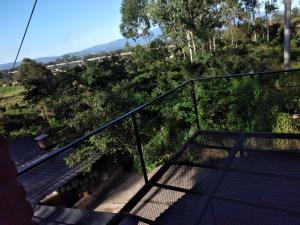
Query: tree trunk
x,y
287,34
268,29
188,37
214,43
231,34
255,36
232,40
190,51
268,33
193,42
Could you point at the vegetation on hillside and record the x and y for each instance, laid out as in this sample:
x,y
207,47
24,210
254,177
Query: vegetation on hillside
x,y
201,39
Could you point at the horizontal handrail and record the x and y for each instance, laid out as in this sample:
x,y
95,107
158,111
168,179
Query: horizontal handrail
x,y
132,112
247,74
97,130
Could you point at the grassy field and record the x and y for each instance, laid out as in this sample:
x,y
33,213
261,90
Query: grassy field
x,y
12,95
11,90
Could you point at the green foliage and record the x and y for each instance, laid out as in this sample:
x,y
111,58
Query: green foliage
x,y
285,123
37,80
234,33
86,97
11,90
202,39
248,106
135,21
6,78
21,124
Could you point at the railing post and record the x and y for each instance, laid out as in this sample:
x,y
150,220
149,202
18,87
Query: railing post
x,y
194,99
139,147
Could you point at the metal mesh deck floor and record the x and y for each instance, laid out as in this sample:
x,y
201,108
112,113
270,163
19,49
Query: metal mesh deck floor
x,y
223,178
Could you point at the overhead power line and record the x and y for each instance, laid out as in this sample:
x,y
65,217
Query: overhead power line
x,y
21,44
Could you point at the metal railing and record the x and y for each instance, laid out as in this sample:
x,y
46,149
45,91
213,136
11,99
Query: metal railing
x,y
132,114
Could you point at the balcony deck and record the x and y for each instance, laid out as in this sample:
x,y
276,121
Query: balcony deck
x,y
216,178
223,178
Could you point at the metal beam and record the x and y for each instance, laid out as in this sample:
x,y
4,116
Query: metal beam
x,y
185,163
247,75
220,148
178,189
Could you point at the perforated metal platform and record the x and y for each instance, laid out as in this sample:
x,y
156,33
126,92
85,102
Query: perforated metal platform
x,y
223,178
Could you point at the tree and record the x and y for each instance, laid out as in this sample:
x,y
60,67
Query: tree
x,y
232,12
188,23
37,80
287,34
135,21
6,78
295,11
251,5
270,7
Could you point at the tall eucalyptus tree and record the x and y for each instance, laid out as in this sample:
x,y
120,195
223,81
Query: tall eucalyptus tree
x,y
287,34
135,22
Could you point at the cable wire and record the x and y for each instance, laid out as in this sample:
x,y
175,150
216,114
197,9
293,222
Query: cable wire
x,y
21,44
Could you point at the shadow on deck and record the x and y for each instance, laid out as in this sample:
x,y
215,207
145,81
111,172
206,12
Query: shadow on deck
x,y
223,178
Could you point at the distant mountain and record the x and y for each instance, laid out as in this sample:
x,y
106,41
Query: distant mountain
x,y
108,47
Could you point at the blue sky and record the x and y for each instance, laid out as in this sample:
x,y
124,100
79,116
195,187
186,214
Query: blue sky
x,y
57,27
